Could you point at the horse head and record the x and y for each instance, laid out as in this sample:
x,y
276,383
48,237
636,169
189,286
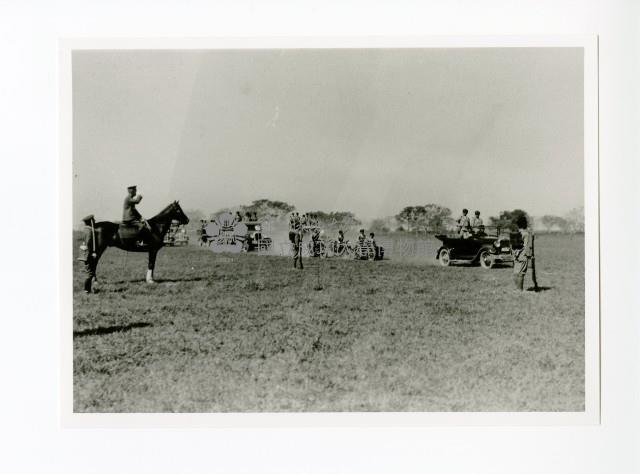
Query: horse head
x,y
178,213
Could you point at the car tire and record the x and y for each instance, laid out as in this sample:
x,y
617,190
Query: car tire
x,y
444,256
486,260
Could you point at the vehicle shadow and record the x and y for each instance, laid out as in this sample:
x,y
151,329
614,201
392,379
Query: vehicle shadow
x,y
99,331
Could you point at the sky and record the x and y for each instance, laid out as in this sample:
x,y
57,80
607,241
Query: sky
x,y
364,130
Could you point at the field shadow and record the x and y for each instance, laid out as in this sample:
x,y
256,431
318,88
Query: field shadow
x,y
540,288
178,280
99,331
158,280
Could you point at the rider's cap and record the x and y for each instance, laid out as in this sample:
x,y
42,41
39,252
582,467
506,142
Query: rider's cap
x,y
465,210
477,213
132,187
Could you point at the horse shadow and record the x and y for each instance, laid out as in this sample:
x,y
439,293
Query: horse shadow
x,y
100,331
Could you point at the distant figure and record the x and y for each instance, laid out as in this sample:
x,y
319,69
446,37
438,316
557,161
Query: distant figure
x,y
523,254
339,243
379,251
202,232
361,236
464,224
238,216
247,216
296,237
255,216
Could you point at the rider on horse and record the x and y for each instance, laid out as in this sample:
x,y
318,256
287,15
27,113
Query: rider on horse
x,y
131,216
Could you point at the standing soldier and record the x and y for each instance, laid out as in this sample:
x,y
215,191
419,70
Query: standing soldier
x,y
523,254
476,223
464,224
297,243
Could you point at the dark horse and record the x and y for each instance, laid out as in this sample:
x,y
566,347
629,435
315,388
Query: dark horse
x,y
130,238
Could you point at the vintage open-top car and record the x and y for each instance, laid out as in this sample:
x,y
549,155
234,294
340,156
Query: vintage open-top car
x,y
480,247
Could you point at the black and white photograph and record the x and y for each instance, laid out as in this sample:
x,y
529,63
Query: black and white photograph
x,y
320,237
328,230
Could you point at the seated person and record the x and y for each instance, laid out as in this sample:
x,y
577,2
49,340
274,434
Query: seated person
x,y
361,236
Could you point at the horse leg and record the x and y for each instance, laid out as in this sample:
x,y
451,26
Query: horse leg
x,y
152,264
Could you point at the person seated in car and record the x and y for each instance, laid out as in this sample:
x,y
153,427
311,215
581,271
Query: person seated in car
x,y
361,236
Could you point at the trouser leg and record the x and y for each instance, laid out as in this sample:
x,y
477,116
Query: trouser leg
x,y
519,271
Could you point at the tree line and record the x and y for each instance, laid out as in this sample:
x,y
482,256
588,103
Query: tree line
x,y
428,218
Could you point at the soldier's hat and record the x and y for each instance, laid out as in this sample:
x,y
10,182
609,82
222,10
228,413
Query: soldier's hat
x,y
129,188
477,213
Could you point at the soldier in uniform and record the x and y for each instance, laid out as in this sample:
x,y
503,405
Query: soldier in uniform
x,y
523,254
464,224
477,226
131,216
296,233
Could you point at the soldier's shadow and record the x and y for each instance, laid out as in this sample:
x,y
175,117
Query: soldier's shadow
x,y
540,289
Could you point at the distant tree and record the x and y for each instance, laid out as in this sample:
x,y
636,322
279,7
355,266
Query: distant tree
x,y
550,222
508,219
430,217
267,209
437,217
379,225
412,217
575,220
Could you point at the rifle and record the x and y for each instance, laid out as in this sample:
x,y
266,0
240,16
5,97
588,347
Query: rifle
x,y
533,265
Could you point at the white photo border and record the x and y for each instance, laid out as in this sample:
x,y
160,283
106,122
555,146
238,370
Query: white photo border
x,y
591,415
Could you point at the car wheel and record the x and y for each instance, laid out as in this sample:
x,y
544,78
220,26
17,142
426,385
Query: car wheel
x,y
444,257
486,260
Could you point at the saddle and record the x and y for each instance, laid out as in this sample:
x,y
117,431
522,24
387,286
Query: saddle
x,y
130,230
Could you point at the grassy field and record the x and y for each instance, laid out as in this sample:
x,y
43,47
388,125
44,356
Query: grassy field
x,y
224,333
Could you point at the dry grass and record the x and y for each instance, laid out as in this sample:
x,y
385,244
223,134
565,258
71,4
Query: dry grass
x,y
249,333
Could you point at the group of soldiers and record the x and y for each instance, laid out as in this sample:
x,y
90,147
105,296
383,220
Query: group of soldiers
x,y
467,227
523,255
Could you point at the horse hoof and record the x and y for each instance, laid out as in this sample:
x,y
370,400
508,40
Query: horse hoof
x,y
151,282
